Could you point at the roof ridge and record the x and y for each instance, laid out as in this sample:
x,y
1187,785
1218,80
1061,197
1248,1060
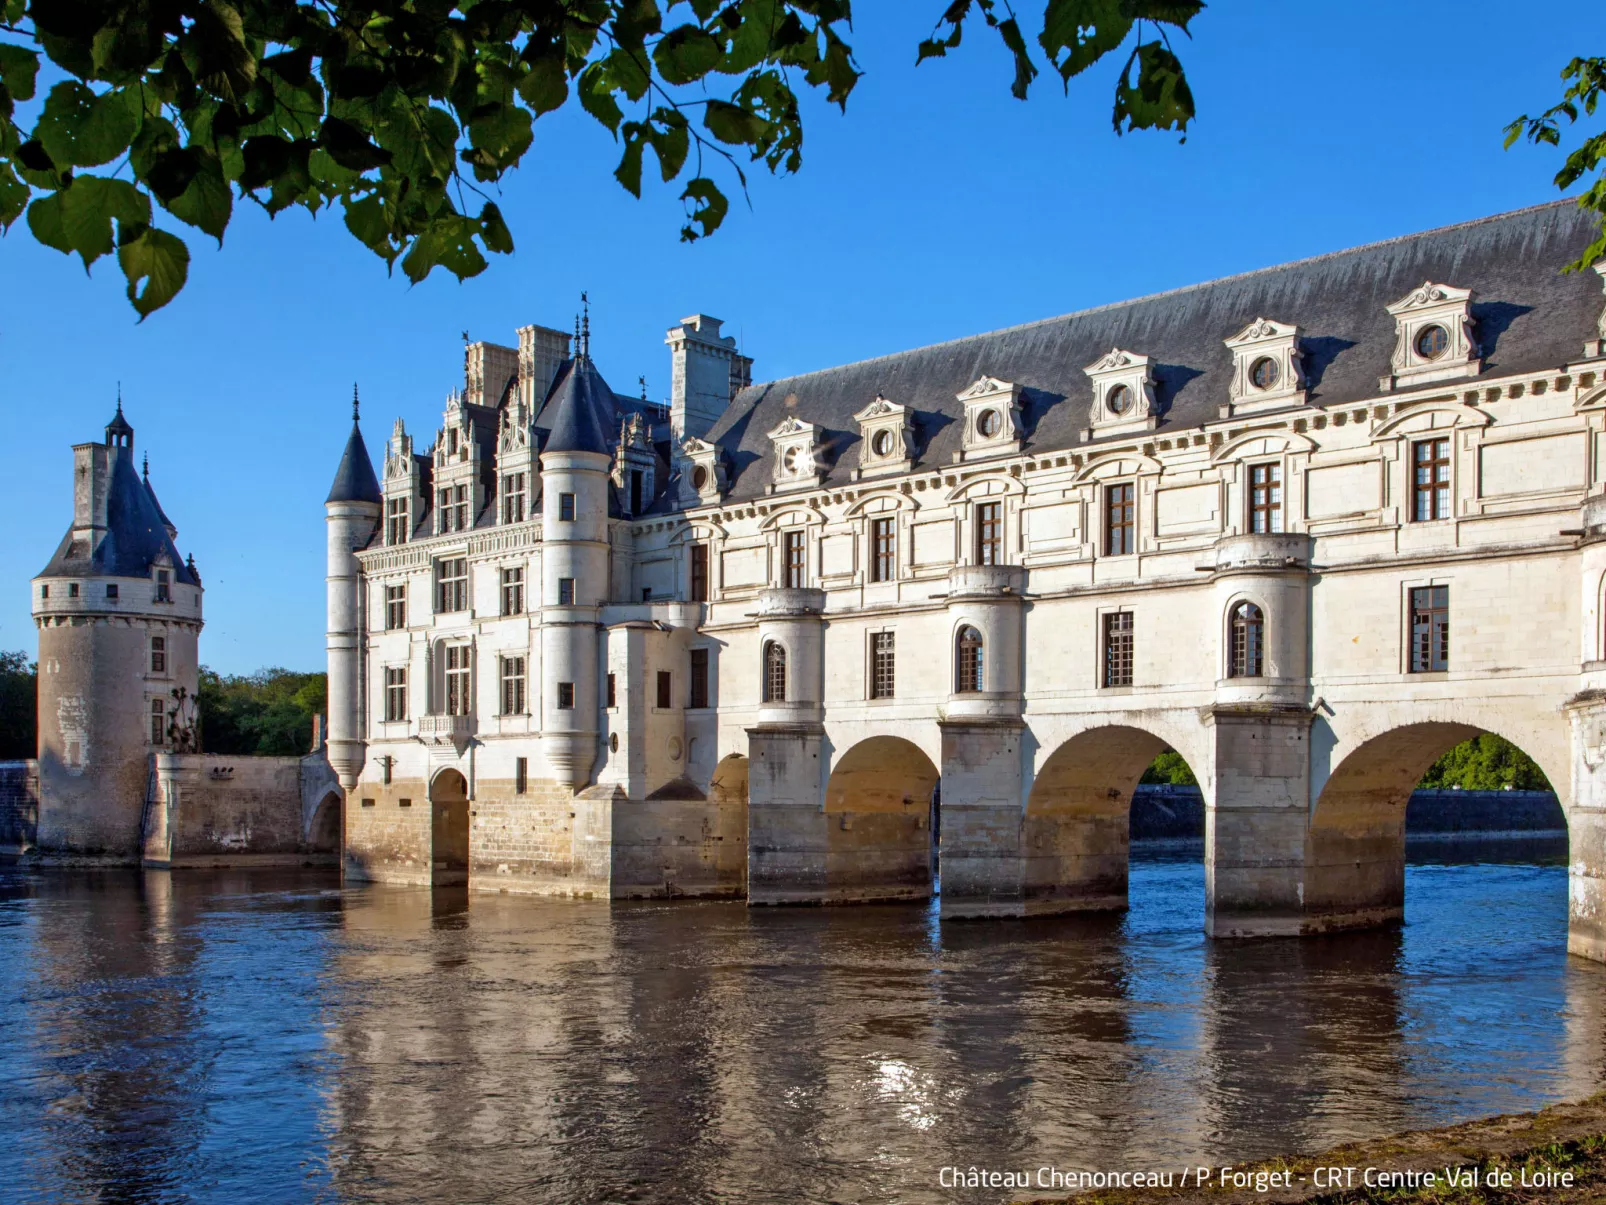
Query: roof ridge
x,y
1178,291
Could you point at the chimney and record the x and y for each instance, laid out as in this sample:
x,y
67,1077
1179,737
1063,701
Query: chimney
x,y
488,367
706,370
91,483
542,352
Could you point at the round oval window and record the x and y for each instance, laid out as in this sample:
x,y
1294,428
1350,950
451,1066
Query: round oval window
x,y
789,461
1432,342
1263,373
674,748
613,742
699,477
989,423
1119,399
881,443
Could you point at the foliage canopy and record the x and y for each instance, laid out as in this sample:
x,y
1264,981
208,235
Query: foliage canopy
x,y
405,114
19,696
268,713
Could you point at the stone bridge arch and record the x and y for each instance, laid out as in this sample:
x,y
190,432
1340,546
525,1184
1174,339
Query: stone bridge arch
x,y
877,809
449,829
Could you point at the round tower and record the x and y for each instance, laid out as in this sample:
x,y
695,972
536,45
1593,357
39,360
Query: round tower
x,y
574,567
351,513
119,619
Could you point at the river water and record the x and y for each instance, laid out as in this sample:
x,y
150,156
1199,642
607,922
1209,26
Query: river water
x,y
267,1036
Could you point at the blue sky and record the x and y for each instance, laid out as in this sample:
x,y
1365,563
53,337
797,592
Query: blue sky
x,y
938,206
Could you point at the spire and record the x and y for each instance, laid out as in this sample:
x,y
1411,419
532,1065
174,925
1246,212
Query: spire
x,y
119,434
354,479
355,411
585,325
145,470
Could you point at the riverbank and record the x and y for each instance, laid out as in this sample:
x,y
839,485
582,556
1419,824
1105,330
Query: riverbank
x,y
1554,1157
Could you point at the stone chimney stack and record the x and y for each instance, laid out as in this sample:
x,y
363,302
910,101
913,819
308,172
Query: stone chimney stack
x,y
706,370
487,368
91,481
542,352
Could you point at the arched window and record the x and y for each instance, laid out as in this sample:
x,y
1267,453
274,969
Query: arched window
x,y
774,672
1248,630
968,661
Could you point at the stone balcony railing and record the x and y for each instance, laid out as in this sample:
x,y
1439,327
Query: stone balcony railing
x,y
445,729
986,581
1265,551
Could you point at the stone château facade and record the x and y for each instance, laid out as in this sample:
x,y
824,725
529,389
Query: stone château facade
x,y
1309,526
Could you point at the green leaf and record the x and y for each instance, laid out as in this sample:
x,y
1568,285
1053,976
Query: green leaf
x,y
706,207
349,146
207,202
596,98
628,173
79,127
365,218
686,54
19,70
1078,33
448,243
79,217
546,86
1159,99
493,230
158,259
733,124
14,196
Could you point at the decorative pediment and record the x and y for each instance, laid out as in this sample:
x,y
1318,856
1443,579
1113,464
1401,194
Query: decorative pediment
x,y
513,432
1268,370
1434,338
702,472
886,438
454,440
993,425
399,452
1123,394
797,454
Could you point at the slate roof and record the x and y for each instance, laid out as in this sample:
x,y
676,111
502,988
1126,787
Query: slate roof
x,y
1529,317
580,414
354,479
136,535
155,501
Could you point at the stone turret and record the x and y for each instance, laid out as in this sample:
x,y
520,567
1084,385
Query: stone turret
x,y
575,463
351,512
119,618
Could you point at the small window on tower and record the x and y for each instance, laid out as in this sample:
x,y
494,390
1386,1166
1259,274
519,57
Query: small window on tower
x,y
565,696
566,507
566,592
72,589
699,678
111,590
665,690
44,591
164,585
158,721
613,698
158,654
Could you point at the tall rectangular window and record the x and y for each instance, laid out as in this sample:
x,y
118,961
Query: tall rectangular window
x,y
990,533
883,549
451,509
1430,481
1118,648
395,608
565,696
613,696
158,654
699,678
164,585
158,722
395,694
699,573
566,592
566,507
512,685
451,584
521,775
883,665
1120,527
459,689
792,559
1430,629
513,497
636,482
513,590
666,696
460,505
1265,498
397,528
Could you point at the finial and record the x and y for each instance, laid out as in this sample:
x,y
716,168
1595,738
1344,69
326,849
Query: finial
x,y
146,468
355,414
585,324
643,381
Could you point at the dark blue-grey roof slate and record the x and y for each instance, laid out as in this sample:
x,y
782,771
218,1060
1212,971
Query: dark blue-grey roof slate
x,y
136,538
354,479
1529,317
580,414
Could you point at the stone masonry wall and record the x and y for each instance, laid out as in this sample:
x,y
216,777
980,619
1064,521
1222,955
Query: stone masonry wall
x,y
241,806
19,805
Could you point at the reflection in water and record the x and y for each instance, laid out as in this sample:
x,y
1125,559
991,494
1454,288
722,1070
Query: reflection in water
x,y
268,1036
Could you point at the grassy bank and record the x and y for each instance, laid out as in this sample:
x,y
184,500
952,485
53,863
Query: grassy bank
x,y
1553,1157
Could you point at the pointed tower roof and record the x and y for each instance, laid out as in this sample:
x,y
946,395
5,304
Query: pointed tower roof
x,y
580,413
172,531
354,479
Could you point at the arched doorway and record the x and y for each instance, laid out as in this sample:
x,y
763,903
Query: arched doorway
x,y
448,799
1076,842
326,832
1355,848
878,822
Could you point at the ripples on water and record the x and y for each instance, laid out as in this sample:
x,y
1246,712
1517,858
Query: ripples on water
x,y
264,1036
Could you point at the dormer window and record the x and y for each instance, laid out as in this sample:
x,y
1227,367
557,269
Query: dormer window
x,y
397,525
1267,369
701,471
992,419
1123,394
513,497
164,585
451,442
797,460
1433,337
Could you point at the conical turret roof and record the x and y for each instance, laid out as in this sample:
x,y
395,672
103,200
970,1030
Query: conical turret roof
x,y
580,412
354,479
172,531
